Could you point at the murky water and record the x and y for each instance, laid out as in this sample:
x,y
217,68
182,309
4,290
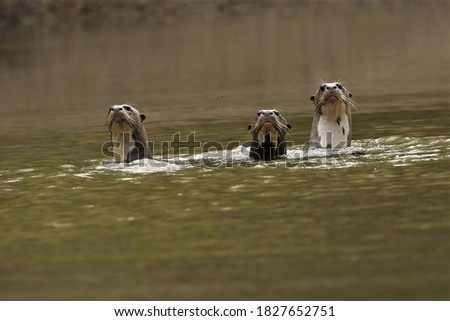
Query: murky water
x,y
366,222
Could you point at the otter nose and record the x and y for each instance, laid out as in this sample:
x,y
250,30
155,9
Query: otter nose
x,y
267,113
331,87
116,108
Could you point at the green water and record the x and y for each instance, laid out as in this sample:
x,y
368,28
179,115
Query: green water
x,y
371,222
373,227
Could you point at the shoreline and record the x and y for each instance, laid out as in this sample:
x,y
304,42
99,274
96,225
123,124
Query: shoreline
x,y
30,13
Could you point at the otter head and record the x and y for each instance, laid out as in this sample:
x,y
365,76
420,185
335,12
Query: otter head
x,y
124,115
330,96
268,133
127,133
269,125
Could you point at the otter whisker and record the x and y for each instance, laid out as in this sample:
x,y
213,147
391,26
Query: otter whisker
x,y
320,102
281,125
277,124
352,103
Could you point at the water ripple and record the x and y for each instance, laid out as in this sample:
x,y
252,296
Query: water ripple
x,y
395,150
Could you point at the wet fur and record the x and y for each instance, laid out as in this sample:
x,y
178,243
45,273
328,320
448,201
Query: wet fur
x,y
128,136
332,122
271,145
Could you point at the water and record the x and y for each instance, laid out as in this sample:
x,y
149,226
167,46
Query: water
x,y
366,222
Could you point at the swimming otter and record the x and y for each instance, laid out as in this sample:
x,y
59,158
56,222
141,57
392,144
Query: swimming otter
x,y
268,133
332,121
127,134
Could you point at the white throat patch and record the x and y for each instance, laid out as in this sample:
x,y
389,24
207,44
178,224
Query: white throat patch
x,y
333,127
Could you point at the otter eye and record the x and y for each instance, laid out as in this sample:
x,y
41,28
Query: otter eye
x,y
110,110
127,108
258,113
322,88
339,86
276,113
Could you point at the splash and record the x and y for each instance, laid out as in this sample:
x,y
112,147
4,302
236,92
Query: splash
x,y
145,166
393,150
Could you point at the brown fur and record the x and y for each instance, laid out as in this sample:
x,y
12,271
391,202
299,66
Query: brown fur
x,y
127,134
268,131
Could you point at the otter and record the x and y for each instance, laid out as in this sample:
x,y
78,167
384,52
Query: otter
x,y
268,131
332,122
127,134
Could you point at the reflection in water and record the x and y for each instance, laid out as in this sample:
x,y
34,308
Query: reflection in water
x,y
366,222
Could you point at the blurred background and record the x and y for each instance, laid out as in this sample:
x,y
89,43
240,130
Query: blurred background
x,y
66,61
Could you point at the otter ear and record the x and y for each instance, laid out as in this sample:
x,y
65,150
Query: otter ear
x,y
350,95
289,126
312,98
142,117
249,126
